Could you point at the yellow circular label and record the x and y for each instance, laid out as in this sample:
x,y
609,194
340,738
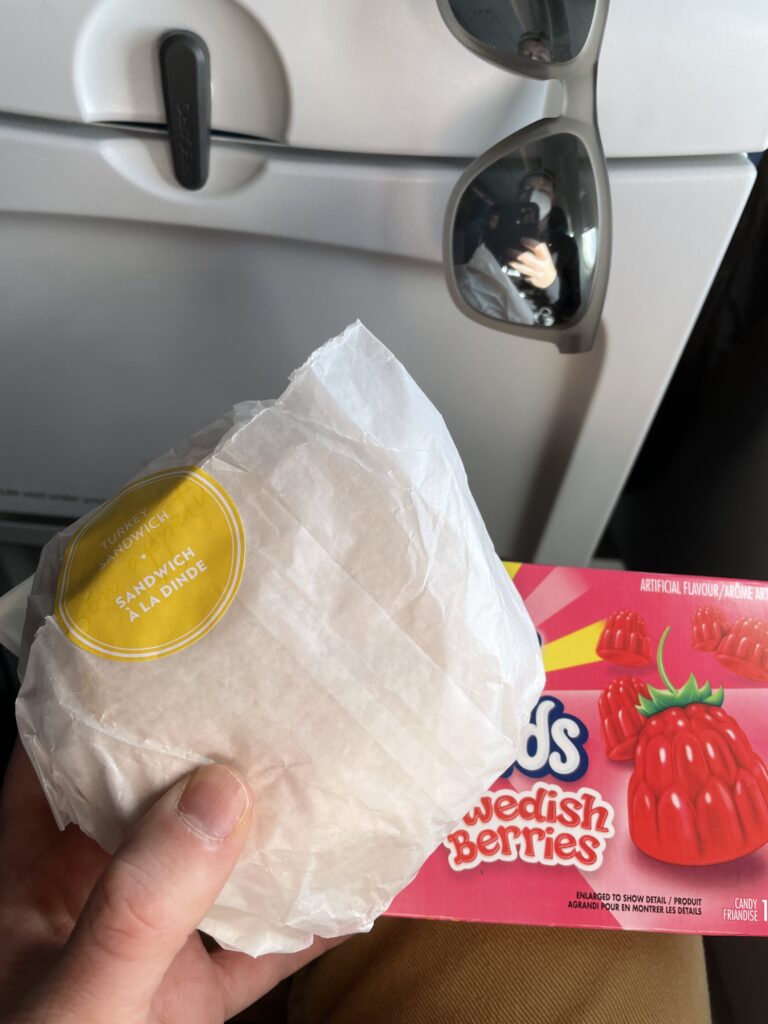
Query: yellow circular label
x,y
153,570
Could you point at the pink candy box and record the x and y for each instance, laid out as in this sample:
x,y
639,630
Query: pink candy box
x,y
641,798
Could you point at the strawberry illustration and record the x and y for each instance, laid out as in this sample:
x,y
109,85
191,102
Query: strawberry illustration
x,y
624,640
709,628
744,650
699,792
620,721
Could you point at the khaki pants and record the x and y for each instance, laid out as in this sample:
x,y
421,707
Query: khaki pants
x,y
434,972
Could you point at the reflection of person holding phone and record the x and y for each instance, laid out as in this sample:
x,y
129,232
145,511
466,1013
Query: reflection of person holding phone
x,y
481,276
487,289
532,245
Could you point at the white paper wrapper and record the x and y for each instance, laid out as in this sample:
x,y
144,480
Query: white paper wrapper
x,y
13,611
371,676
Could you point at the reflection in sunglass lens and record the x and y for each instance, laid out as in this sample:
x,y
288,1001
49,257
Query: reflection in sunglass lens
x,y
543,31
525,235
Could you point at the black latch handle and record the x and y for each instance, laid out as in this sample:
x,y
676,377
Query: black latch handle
x,y
185,67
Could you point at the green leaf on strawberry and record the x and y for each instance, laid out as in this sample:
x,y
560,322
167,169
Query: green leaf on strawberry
x,y
673,697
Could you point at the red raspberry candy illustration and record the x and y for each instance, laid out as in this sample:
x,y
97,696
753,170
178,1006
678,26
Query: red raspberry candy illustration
x,y
620,721
624,640
709,628
745,649
699,792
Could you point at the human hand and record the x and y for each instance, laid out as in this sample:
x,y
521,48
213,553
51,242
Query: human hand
x,y
535,264
89,939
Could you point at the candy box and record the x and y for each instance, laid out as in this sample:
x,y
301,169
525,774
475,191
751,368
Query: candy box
x,y
641,798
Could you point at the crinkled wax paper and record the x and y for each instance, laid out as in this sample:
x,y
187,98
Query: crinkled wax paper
x,y
371,676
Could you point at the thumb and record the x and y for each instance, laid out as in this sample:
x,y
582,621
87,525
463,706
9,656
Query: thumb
x,y
156,890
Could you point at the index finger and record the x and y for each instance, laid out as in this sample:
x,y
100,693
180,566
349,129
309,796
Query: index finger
x,y
534,246
21,790
245,979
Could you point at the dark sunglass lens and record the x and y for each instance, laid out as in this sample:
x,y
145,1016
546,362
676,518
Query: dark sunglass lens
x,y
542,31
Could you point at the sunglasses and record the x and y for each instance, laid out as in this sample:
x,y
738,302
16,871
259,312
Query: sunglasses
x,y
528,227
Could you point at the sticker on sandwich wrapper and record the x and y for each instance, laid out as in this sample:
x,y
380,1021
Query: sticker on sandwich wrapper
x,y
153,570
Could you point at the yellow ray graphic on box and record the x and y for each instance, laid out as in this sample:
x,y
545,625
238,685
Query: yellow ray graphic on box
x,y
512,568
579,648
